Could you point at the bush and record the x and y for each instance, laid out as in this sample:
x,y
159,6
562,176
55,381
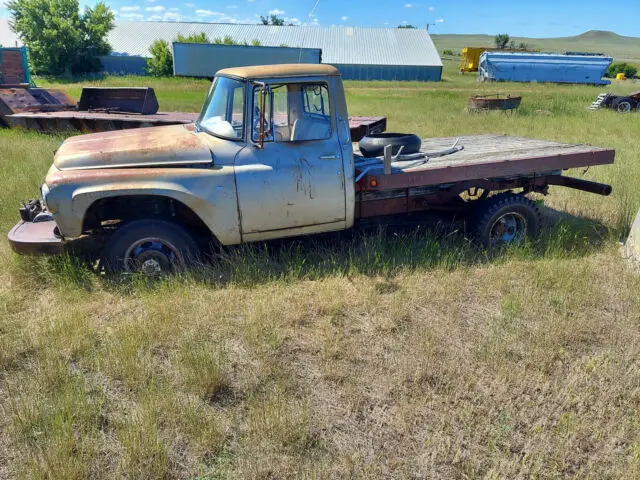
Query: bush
x,y
629,70
448,52
161,62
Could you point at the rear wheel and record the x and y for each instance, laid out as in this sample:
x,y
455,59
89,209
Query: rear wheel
x,y
624,104
150,247
505,219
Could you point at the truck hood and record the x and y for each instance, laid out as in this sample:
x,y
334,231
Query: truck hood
x,y
141,147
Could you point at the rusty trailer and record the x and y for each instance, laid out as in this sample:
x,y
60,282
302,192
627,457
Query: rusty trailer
x,y
96,121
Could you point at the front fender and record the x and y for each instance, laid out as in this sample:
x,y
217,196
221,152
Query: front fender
x,y
211,195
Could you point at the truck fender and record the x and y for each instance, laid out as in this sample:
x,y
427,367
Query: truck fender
x,y
84,197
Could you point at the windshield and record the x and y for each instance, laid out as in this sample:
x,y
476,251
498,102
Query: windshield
x,y
223,112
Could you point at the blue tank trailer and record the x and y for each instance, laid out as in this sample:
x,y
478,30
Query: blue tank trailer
x,y
543,67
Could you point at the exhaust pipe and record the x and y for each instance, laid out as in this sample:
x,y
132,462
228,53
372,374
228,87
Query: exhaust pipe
x,y
579,184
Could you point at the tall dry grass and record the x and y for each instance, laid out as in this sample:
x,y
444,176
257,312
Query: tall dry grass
x,y
402,354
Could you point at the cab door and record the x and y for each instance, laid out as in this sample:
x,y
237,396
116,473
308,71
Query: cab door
x,y
295,183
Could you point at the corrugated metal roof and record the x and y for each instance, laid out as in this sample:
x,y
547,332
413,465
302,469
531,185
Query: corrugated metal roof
x,y
7,37
340,45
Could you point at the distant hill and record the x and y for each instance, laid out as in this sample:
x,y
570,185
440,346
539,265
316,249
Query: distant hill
x,y
625,49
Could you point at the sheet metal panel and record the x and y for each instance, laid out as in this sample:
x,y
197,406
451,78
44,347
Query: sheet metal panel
x,y
204,59
339,45
544,67
390,72
124,65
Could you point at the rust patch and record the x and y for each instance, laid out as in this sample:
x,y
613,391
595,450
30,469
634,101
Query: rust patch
x,y
154,146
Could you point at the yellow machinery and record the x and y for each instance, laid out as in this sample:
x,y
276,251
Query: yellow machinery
x,y
471,56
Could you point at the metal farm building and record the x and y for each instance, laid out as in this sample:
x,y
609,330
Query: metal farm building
x,y
359,53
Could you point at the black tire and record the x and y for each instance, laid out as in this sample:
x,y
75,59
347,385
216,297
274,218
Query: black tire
x,y
505,219
624,104
373,145
164,247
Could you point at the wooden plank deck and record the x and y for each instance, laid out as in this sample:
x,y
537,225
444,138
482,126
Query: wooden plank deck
x,y
490,156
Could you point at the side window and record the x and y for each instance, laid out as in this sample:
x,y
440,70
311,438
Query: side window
x,y
316,100
294,112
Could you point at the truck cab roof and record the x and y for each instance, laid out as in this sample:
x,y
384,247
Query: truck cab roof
x,y
276,71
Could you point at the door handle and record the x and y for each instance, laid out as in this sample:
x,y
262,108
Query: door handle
x,y
329,157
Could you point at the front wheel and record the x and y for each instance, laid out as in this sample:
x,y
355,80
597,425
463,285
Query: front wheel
x,y
505,219
150,247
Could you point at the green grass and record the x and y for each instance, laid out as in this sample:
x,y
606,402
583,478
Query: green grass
x,y
379,354
623,49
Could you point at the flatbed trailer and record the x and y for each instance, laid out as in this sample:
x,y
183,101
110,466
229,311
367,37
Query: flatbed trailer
x,y
90,121
486,163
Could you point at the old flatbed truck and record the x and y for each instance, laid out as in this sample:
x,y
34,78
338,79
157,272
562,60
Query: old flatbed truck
x,y
271,157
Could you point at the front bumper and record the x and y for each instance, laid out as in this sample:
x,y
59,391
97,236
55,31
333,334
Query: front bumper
x,y
36,238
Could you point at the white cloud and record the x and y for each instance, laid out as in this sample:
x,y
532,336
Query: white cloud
x,y
132,16
134,8
190,5
156,9
276,11
208,13
431,9
408,5
232,6
345,18
440,20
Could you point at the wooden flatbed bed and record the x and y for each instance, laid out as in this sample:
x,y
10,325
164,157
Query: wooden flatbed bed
x,y
487,162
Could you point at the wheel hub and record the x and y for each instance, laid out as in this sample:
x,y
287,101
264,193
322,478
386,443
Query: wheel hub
x,y
151,257
509,228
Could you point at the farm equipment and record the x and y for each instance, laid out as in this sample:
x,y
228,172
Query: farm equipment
x,y
621,103
470,59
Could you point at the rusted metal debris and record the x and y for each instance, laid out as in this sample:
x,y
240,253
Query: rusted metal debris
x,y
494,102
119,100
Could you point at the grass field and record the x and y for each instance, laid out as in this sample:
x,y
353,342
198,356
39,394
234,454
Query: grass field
x,y
389,355
623,49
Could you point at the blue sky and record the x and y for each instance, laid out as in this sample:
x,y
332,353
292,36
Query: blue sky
x,y
533,18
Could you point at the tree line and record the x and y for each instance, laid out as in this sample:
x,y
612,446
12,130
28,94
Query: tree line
x,y
63,40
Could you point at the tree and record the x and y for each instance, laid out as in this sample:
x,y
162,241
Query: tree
x,y
60,39
193,38
161,62
629,70
523,46
502,40
272,20
406,26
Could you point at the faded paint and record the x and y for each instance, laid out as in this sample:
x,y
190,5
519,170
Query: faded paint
x,y
160,146
279,71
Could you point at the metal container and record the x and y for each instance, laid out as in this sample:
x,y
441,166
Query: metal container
x,y
205,59
126,100
543,67
494,102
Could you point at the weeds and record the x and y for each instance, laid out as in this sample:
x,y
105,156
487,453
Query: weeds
x,y
386,353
